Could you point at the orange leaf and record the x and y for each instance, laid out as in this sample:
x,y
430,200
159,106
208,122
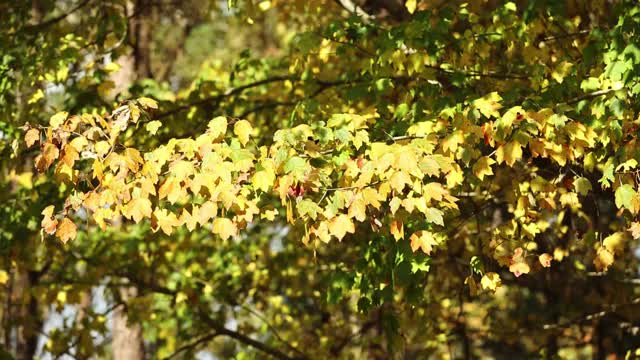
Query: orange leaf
x,y
635,230
603,259
66,230
49,154
31,137
545,259
519,268
49,223
423,240
397,229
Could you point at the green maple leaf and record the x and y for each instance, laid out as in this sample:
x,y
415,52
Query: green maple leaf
x,y
296,166
624,196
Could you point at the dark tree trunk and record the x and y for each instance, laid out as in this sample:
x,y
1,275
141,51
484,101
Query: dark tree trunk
x,y
29,322
142,23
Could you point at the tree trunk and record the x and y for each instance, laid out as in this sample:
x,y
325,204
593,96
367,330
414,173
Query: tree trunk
x,y
127,337
142,31
84,347
29,322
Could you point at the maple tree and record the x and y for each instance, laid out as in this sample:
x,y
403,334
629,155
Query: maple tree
x,y
404,179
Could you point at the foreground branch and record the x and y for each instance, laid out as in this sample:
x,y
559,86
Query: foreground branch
x,y
221,330
228,93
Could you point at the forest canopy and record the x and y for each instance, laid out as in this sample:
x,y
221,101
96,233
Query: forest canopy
x,y
321,179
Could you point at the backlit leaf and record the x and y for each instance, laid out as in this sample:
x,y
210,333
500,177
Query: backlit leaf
x,y
31,137
147,103
545,259
624,196
423,240
603,260
138,209
434,215
491,281
340,225
66,230
224,228
153,126
242,129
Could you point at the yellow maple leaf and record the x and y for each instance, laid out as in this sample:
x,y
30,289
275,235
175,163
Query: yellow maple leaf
x,y
399,180
263,179
172,190
224,228
482,167
66,230
153,126
340,225
269,214
79,143
58,119
424,240
147,102
164,220
132,159
242,129
102,148
358,209
603,259
434,191
561,71
615,242
451,142
491,281
217,127
509,153
181,169
434,215
206,211
322,232
188,219
137,209
394,204
489,105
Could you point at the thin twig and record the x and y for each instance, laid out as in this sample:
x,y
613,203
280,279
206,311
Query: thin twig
x,y
229,92
590,95
57,18
201,340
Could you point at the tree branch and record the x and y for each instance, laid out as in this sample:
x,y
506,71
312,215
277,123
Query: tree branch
x,y
221,330
229,92
202,340
57,18
590,95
